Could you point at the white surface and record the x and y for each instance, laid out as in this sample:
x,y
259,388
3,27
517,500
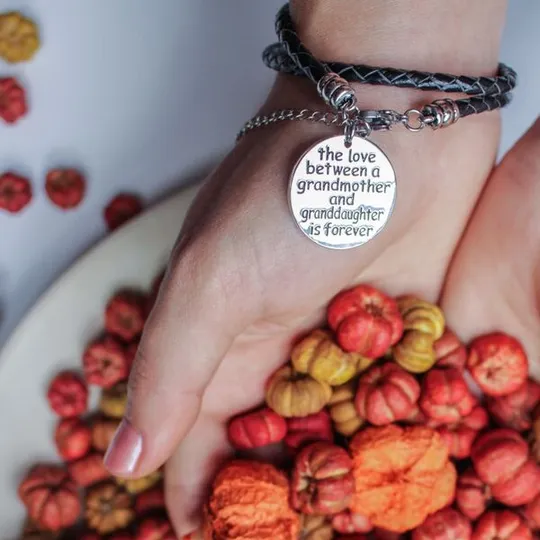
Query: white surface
x,y
52,338
145,95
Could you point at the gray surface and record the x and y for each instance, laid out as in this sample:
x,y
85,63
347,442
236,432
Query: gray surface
x,y
145,98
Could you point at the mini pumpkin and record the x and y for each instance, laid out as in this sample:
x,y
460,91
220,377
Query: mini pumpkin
x,y
472,495
103,430
315,528
155,528
88,470
402,474
318,355
50,497
125,314
343,412
322,481
108,508
498,454
386,394
498,363
450,351
312,428
501,524
113,400
365,320
421,316
460,436
255,429
347,522
446,524
289,393
73,438
105,363
19,38
236,503
445,396
138,485
415,352
515,409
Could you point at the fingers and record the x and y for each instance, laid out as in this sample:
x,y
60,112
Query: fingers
x,y
494,282
189,331
189,471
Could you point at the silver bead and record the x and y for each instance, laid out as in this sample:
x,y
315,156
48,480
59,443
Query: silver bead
x,y
337,92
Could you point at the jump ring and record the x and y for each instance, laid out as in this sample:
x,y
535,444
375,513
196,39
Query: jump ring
x,y
408,119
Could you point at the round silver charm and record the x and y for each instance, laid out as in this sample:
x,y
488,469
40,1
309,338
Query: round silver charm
x,y
341,197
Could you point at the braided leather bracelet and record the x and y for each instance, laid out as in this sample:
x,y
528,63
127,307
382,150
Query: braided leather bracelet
x,y
343,188
290,56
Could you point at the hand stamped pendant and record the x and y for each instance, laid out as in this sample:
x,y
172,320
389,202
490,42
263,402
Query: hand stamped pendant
x,y
341,197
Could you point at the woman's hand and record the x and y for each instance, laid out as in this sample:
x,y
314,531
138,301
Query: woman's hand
x,y
244,281
494,281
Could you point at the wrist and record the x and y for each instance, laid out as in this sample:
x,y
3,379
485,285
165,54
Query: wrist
x,y
456,36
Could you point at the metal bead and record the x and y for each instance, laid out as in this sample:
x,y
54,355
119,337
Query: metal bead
x,y
336,92
441,113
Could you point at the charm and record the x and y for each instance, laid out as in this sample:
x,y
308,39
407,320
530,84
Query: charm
x,y
342,196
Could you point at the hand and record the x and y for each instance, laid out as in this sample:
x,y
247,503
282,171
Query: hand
x,y
494,281
243,281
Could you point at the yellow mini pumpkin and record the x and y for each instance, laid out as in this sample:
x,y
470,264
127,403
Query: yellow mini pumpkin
x,y
138,485
290,393
421,316
19,38
415,352
113,401
318,355
342,410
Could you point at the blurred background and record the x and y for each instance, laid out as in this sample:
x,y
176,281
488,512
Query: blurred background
x,y
144,96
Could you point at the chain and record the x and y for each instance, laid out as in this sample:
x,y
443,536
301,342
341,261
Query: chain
x,y
362,123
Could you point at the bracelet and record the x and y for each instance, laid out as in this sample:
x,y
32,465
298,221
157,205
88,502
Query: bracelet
x,y
290,56
342,190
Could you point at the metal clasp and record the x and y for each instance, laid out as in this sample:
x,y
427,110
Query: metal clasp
x,y
378,120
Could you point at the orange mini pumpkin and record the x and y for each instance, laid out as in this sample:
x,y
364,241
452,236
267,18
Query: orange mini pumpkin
x,y
250,499
402,474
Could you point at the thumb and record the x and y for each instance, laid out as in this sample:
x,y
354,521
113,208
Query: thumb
x,y
189,330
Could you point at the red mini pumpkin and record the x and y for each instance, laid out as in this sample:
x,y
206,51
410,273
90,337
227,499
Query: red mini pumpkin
x,y
501,525
515,409
498,363
445,396
322,481
446,524
256,429
308,429
472,495
50,497
73,438
386,394
365,320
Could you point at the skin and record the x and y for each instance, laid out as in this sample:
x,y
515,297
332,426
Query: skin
x,y
243,281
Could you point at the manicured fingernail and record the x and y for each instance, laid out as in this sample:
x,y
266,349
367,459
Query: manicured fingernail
x,y
125,450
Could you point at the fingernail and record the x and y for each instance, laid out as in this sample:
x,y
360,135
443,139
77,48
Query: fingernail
x,y
124,451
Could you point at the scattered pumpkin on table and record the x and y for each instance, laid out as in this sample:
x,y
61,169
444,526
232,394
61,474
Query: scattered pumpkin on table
x,y
375,418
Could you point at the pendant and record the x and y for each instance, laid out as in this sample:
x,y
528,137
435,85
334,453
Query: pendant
x,y
341,197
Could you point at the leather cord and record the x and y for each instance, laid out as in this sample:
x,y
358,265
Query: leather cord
x,y
292,57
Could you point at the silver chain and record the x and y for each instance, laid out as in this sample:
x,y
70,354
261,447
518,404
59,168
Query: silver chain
x,y
360,123
337,93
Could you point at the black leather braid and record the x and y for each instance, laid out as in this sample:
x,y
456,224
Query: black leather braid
x,y
275,57
291,56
